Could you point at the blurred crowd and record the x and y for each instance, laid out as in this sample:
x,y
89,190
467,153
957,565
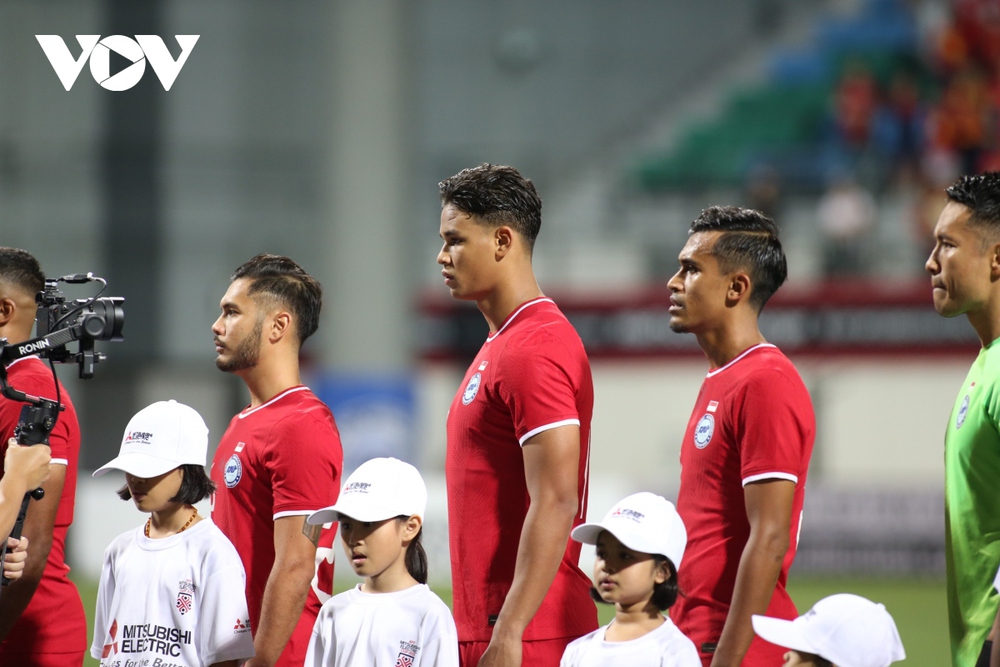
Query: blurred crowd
x,y
905,135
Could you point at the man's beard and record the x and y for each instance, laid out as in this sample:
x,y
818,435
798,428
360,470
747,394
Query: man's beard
x,y
247,353
678,327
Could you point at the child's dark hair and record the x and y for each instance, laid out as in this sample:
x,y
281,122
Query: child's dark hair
x,y
664,594
195,486
416,557
817,660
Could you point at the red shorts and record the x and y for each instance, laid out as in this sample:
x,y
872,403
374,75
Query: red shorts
x,y
543,653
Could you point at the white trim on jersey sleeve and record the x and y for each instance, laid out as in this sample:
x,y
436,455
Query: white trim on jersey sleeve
x,y
547,427
771,475
280,515
59,462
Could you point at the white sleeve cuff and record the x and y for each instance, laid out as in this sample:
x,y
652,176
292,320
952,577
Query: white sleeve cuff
x,y
293,513
771,475
547,427
59,462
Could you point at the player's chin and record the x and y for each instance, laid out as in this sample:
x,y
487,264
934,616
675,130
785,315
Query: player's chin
x,y
945,307
677,325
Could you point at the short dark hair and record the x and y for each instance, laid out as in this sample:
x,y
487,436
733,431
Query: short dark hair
x,y
20,269
496,195
981,195
750,242
664,594
279,278
195,486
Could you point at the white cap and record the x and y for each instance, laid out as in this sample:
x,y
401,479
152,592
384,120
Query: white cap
x,y
379,489
643,522
159,438
848,630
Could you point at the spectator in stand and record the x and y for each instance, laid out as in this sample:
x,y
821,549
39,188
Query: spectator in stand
x,y
846,217
898,127
854,105
959,121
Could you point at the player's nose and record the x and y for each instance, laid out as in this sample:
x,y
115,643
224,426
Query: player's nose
x,y
931,265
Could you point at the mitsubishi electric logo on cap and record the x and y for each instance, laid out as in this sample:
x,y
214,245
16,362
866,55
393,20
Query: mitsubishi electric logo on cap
x,y
136,51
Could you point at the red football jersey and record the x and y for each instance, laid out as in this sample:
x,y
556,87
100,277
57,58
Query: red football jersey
x,y
282,458
753,420
530,376
56,597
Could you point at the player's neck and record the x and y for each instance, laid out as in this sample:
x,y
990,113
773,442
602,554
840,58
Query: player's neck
x,y
507,297
273,374
633,621
986,322
15,332
728,341
391,580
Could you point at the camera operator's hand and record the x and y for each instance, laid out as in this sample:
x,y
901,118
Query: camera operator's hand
x,y
28,465
13,560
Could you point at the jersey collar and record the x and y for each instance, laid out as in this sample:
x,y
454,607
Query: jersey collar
x,y
742,354
250,411
510,318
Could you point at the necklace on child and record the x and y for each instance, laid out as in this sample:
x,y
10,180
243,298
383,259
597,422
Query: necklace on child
x,y
149,522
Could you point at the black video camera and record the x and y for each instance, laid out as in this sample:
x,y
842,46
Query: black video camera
x,y
59,324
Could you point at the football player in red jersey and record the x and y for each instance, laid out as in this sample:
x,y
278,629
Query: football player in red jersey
x,y
745,455
518,436
280,459
44,591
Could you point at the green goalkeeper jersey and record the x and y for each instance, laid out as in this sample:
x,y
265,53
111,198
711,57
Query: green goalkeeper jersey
x,y
972,507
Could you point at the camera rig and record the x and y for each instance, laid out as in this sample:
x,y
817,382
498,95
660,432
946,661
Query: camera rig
x,y
59,324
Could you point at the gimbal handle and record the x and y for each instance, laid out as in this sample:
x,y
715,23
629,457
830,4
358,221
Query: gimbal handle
x,y
38,418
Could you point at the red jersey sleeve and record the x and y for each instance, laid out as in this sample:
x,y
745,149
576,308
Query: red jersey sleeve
x,y
303,456
540,385
773,422
38,382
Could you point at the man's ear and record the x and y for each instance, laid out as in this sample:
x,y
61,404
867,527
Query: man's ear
x,y
739,288
995,261
281,326
8,309
504,238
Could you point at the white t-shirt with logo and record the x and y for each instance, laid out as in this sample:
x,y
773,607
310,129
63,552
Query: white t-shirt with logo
x,y
409,628
665,646
178,601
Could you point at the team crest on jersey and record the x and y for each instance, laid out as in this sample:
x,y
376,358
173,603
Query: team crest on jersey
x,y
962,413
472,388
185,596
233,471
407,654
703,431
